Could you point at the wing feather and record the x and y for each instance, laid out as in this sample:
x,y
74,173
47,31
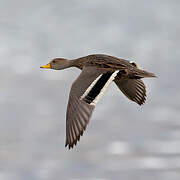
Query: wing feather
x,y
77,120
78,111
134,89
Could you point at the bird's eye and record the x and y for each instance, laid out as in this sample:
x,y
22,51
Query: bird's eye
x,y
53,61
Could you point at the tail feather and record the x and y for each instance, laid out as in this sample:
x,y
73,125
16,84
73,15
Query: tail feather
x,y
142,74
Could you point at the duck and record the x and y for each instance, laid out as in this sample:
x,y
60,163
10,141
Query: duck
x,y
98,71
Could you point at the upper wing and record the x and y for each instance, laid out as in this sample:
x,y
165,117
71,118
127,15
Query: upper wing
x,y
134,89
81,104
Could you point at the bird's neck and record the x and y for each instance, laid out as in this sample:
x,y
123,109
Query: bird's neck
x,y
75,63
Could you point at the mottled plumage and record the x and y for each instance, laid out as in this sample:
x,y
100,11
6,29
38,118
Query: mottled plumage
x,y
98,71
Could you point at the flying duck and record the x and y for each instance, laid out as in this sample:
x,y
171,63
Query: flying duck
x,y
98,71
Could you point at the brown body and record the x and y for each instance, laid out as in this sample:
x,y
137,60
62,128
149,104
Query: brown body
x,y
98,71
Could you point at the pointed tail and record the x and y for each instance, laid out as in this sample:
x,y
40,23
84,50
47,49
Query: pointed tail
x,y
138,73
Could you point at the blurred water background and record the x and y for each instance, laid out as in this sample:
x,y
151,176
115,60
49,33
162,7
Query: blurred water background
x,y
123,140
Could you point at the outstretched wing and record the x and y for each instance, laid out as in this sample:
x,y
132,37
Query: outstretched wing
x,y
77,118
134,89
84,94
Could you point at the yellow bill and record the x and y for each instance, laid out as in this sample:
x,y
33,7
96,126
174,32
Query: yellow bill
x,y
47,66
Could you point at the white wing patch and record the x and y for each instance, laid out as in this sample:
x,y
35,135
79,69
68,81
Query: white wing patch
x,y
93,95
94,102
90,87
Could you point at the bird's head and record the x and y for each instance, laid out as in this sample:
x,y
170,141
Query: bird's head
x,y
57,64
